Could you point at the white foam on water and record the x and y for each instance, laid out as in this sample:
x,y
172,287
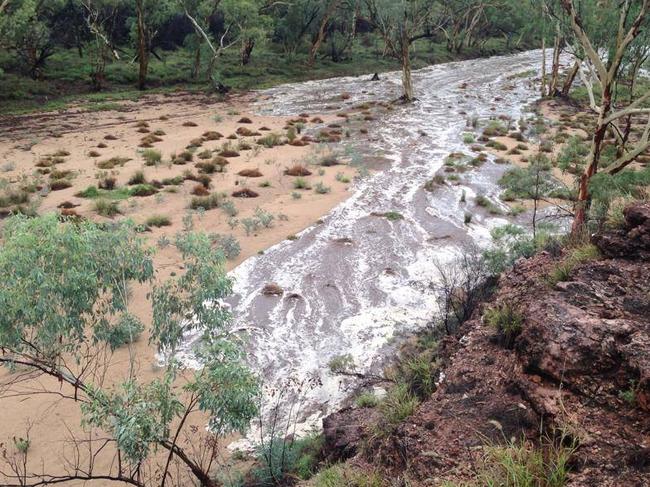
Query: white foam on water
x,y
357,299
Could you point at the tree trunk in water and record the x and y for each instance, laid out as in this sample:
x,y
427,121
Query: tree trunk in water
x,y
407,80
247,50
543,67
582,203
555,71
143,52
570,78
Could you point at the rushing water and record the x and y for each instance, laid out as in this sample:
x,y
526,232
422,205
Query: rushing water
x,y
357,295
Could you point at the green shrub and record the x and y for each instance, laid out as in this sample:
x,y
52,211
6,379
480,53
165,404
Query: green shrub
x,y
89,192
22,444
506,321
329,160
392,216
228,244
142,190
342,178
629,395
229,208
484,202
418,373
283,459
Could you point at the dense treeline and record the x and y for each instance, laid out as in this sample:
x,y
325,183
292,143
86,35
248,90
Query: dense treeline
x,y
212,36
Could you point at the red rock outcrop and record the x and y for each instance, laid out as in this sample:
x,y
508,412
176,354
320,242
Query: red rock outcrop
x,y
582,355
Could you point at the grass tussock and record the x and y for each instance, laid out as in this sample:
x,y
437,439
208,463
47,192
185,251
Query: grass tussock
x,y
507,322
151,157
250,173
245,193
270,140
297,170
138,177
113,162
59,184
106,208
206,202
522,463
575,257
211,135
158,221
229,153
200,190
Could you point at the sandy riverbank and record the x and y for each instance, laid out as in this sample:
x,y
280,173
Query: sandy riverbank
x,y
77,146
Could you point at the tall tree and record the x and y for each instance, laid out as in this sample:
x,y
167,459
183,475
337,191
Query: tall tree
x,y
330,7
150,15
400,23
606,70
66,308
25,31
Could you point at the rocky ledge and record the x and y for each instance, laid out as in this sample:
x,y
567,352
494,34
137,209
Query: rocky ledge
x,y
581,363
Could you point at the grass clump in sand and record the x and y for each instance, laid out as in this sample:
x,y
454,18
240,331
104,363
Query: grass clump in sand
x,y
301,183
297,170
208,202
320,188
137,178
13,197
113,162
151,157
158,221
106,208
270,140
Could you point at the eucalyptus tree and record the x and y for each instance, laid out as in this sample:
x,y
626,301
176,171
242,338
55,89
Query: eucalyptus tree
x,y
149,17
100,16
293,21
245,23
629,18
25,31
329,8
400,23
66,300
463,20
248,24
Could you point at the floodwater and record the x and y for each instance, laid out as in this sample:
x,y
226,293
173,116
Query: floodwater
x,y
357,282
